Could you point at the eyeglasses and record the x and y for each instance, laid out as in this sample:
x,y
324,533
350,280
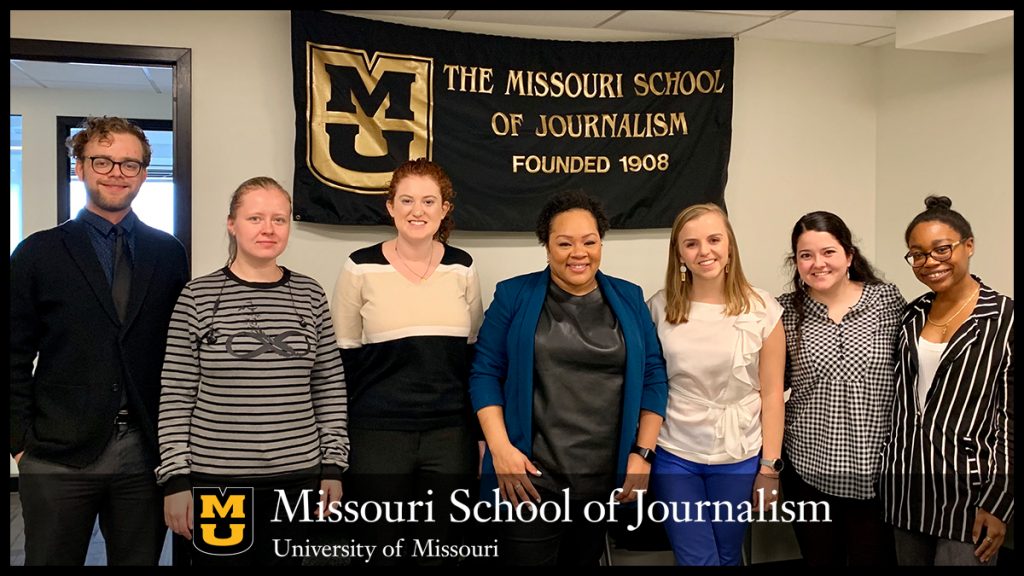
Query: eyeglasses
x,y
104,165
939,254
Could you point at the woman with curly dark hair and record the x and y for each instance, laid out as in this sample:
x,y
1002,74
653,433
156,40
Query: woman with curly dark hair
x,y
569,385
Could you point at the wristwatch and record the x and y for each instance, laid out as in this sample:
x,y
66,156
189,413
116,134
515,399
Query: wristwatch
x,y
775,464
645,453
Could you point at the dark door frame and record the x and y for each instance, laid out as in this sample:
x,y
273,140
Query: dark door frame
x,y
180,60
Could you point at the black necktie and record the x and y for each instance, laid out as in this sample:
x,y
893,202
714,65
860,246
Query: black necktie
x,y
122,283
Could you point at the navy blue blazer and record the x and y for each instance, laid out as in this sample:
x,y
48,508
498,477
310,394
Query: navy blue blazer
x,y
502,372
61,310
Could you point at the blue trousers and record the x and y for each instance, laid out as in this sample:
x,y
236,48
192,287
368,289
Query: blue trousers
x,y
699,540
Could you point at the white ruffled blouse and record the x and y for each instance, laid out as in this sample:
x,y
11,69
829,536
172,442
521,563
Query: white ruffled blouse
x,y
714,403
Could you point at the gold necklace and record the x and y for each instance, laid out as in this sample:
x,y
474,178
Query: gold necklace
x,y
409,268
945,324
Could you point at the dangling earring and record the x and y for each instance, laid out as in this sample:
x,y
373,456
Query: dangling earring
x,y
682,273
726,268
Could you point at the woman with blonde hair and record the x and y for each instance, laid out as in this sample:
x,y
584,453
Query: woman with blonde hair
x,y
725,353
252,390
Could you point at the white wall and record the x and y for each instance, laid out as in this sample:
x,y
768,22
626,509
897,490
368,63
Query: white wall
x,y
39,109
945,127
815,127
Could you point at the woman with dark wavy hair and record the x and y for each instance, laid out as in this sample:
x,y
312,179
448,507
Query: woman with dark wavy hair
x,y
841,322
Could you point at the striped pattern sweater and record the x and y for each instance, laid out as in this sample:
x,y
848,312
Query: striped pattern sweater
x,y
252,383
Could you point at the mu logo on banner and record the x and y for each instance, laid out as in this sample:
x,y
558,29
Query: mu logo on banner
x,y
223,520
366,115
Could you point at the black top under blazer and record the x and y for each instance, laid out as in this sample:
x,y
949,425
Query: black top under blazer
x,y
62,310
956,455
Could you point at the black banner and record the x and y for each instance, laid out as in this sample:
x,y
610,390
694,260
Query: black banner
x,y
644,126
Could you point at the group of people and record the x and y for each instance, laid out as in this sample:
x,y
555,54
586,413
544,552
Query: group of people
x,y
401,388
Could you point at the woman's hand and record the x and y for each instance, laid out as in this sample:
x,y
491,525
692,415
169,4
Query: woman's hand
x,y
995,534
511,466
330,492
482,447
766,490
638,474
178,513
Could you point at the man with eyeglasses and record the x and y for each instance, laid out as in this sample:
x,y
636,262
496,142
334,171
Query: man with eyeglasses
x,y
90,304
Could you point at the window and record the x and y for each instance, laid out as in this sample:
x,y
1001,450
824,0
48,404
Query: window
x,y
155,203
16,217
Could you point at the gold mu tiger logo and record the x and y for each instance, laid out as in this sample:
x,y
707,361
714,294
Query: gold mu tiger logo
x,y
365,115
223,520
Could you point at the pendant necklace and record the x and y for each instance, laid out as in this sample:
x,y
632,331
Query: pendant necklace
x,y
944,325
409,268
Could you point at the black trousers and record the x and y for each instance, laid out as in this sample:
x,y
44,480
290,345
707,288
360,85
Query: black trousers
x,y
542,543
60,505
407,466
856,536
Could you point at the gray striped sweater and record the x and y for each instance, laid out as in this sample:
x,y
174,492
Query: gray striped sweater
x,y
252,383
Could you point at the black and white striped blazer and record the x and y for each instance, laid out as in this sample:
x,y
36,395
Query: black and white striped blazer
x,y
956,455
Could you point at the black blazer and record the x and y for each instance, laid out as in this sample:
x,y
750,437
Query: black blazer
x,y
62,310
955,455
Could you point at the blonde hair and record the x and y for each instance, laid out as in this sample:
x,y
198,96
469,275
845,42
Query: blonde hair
x,y
739,294
256,183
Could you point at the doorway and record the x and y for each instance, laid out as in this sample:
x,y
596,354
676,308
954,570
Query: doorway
x,y
180,62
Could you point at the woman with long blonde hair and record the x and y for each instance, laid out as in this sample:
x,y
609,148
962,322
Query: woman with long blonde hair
x,y
725,353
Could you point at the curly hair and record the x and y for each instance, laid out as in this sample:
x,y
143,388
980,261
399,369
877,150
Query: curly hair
x,y
565,201
432,170
100,128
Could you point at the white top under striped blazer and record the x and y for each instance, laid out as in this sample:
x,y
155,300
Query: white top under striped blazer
x,y
955,455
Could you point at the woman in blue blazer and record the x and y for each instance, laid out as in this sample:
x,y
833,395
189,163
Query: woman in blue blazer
x,y
569,385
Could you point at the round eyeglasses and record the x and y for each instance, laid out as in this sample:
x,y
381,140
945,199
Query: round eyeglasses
x,y
104,165
939,254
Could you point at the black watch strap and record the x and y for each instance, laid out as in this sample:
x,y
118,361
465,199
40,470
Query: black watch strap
x,y
645,453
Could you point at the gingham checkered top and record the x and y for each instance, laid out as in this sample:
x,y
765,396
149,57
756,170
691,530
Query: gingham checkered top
x,y
842,380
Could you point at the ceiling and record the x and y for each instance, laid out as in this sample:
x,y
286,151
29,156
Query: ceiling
x,y
972,31
969,31
78,76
